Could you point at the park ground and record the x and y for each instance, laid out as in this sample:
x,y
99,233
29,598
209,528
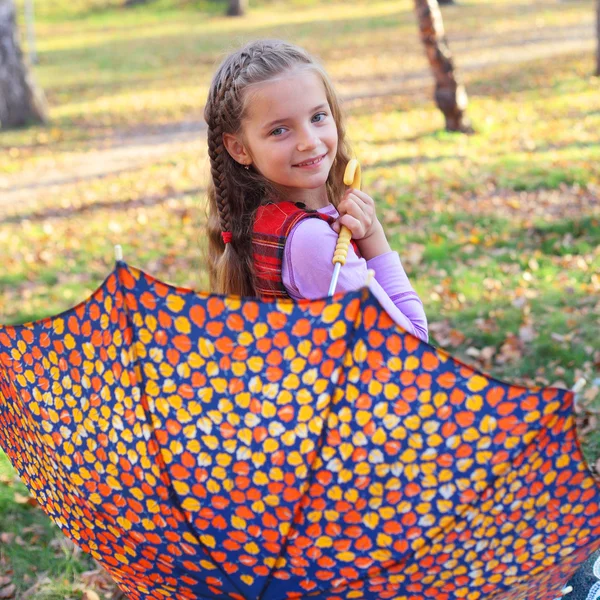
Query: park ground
x,y
499,231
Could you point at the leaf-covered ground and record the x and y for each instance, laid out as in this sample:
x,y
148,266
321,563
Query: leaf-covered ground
x,y
499,231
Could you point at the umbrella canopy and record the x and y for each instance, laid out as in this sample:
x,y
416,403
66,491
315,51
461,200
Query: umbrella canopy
x,y
204,446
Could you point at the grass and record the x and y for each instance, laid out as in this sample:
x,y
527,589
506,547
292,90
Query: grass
x,y
32,548
499,231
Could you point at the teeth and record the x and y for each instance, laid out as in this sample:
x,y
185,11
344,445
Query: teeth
x,y
311,162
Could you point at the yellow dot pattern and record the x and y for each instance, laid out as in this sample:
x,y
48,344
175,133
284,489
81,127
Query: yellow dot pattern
x,y
203,446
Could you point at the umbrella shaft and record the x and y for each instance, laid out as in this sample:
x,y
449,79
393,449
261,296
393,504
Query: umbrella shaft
x,y
334,279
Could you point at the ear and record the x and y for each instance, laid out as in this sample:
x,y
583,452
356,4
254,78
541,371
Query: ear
x,y
236,149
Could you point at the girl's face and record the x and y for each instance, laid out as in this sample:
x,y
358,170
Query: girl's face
x,y
289,136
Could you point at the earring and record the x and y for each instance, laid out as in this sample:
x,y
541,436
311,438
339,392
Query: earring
x,y
247,167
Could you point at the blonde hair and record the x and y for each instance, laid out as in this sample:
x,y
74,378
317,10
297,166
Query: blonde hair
x,y
235,193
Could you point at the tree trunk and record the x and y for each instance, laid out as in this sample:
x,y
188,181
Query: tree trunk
x,y
598,37
444,2
237,8
450,95
20,101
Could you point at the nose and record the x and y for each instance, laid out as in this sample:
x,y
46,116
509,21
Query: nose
x,y
307,140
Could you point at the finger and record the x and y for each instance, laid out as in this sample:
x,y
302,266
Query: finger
x,y
337,225
354,225
360,209
352,204
365,207
348,195
350,207
345,197
362,196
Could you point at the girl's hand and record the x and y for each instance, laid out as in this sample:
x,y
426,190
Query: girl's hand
x,y
357,213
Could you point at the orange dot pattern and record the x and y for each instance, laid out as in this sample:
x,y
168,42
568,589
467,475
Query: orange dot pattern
x,y
202,446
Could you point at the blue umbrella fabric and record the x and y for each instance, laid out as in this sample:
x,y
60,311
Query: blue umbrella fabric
x,y
205,446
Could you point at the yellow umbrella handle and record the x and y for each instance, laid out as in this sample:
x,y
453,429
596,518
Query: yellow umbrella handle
x,y
352,179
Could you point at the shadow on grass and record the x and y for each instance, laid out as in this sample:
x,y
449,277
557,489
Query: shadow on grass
x,y
115,206
408,160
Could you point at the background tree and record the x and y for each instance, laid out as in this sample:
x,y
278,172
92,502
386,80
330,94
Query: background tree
x,y
237,8
450,95
20,101
598,37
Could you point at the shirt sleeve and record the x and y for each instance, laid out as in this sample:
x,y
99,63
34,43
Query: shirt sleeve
x,y
393,279
307,271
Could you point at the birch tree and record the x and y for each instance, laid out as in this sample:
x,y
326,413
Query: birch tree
x,y
450,95
21,102
597,37
237,8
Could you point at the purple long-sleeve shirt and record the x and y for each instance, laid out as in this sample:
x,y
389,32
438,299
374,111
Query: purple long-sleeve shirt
x,y
307,271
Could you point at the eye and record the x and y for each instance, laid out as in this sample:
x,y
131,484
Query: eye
x,y
319,117
278,131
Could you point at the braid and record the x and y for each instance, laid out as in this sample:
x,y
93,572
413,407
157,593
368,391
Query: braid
x,y
225,94
215,152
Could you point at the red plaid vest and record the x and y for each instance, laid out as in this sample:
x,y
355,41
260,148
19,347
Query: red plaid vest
x,y
272,225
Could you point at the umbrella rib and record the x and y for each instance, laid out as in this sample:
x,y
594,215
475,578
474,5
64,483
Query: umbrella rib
x,y
320,443
172,493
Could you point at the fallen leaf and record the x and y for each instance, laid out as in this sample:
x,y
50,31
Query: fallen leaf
x,y
487,353
8,591
590,394
519,302
32,591
20,499
456,337
413,254
559,384
527,333
510,351
391,217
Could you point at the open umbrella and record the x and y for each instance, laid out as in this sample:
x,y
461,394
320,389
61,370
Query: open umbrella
x,y
204,446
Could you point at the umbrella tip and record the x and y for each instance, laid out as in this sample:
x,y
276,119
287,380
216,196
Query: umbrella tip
x,y
118,253
370,275
566,590
579,385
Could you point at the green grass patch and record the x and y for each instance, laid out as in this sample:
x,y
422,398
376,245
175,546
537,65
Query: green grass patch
x,y
36,547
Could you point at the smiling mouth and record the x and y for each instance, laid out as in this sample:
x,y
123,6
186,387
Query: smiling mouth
x,y
311,162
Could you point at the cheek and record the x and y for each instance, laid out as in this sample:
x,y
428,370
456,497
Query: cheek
x,y
333,136
282,152
265,154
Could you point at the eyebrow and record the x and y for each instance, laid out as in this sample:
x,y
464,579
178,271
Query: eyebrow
x,y
276,121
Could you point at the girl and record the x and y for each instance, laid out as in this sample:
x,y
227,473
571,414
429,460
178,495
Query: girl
x,y
278,151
